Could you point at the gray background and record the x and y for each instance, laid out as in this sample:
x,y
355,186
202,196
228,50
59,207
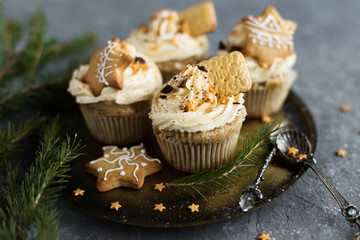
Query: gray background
x,y
327,42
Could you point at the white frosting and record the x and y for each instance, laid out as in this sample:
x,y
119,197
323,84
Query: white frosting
x,y
126,155
169,113
137,87
156,41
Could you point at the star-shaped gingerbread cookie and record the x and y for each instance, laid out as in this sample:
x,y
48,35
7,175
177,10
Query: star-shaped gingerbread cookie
x,y
122,167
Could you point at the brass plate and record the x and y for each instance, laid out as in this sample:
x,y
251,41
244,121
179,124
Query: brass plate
x,y
138,205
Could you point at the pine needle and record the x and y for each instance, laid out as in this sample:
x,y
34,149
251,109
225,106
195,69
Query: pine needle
x,y
229,174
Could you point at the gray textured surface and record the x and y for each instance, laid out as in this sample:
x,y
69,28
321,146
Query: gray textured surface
x,y
327,42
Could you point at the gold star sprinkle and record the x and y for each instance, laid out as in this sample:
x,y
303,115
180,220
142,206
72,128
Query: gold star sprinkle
x,y
292,151
302,157
341,152
264,236
266,119
194,208
346,108
159,187
78,192
115,205
160,207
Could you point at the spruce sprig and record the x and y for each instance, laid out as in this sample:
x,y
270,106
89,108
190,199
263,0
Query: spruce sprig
x,y
27,74
228,175
26,209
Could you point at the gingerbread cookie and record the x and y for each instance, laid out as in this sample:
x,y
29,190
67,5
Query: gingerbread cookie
x,y
107,66
122,167
199,19
269,36
228,74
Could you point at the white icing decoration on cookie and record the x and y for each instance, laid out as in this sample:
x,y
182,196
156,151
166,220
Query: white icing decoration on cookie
x,y
263,31
103,60
106,155
99,169
128,156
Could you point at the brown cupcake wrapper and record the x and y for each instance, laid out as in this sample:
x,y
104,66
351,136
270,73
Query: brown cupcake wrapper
x,y
115,129
197,158
266,101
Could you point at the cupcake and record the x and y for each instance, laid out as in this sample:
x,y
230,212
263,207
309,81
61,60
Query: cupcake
x,y
267,44
196,127
174,39
114,92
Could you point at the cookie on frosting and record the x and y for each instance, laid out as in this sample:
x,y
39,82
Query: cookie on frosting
x,y
228,74
269,36
107,67
199,19
122,167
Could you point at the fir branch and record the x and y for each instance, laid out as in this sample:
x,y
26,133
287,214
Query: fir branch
x,y
26,208
12,135
228,175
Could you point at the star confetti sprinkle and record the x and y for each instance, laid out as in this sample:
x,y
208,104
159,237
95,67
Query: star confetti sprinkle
x,y
340,152
115,205
292,151
159,187
122,167
194,208
78,192
159,207
302,156
264,236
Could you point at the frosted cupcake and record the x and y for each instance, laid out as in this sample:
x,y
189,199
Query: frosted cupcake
x,y
267,44
174,39
114,92
196,128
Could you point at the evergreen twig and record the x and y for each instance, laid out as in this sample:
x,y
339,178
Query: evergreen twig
x,y
226,176
26,208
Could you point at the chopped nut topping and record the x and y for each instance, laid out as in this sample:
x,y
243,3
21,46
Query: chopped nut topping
x,y
224,99
209,109
174,41
163,96
154,48
143,29
137,66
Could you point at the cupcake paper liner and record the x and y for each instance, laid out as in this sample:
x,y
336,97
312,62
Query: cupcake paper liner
x,y
266,101
115,129
195,157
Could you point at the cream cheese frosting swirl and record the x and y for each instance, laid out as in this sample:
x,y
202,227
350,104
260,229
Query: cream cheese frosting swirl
x,y
164,39
188,104
138,85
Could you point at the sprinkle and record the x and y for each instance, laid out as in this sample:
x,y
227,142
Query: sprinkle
x,y
140,60
302,157
236,103
190,106
167,89
159,207
202,68
292,151
209,109
154,48
194,208
340,152
224,99
221,45
264,236
211,90
174,41
346,108
159,187
266,119
115,205
78,192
